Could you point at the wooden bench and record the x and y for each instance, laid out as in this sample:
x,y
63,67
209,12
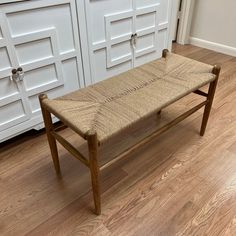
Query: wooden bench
x,y
101,111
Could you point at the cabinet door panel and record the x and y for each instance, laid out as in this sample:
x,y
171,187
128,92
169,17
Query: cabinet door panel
x,y
152,55
44,34
100,70
5,63
8,89
69,71
119,27
146,27
12,114
152,29
36,17
40,79
13,108
146,20
164,7
96,12
34,51
110,26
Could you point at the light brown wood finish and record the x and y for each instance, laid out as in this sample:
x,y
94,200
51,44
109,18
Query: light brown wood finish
x,y
51,140
94,169
210,98
74,152
93,142
186,188
155,134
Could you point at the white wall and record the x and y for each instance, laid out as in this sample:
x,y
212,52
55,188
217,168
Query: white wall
x,y
214,25
9,1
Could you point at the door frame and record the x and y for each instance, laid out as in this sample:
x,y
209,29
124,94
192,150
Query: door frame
x,y
185,21
175,19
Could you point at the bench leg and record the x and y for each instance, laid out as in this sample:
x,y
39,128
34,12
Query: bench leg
x,y
51,140
94,170
210,98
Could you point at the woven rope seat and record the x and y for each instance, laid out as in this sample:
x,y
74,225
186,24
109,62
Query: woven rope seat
x,y
111,106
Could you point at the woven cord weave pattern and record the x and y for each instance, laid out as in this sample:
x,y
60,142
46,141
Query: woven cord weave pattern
x,y
117,103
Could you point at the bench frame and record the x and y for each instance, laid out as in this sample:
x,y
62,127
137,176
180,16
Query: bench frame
x,y
93,145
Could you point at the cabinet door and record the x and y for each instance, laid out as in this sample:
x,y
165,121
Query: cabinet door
x,y
45,42
109,26
13,105
151,27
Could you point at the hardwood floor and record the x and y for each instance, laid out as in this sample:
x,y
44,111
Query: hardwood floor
x,y
179,184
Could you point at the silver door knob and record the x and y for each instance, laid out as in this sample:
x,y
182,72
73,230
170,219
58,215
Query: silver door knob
x,y
17,75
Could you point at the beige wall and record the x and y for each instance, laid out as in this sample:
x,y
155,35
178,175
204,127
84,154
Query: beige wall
x,y
214,21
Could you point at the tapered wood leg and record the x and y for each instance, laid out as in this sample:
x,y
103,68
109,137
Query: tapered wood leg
x,y
94,170
51,140
164,53
210,98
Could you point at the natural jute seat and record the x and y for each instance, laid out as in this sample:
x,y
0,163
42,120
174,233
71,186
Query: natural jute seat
x,y
101,111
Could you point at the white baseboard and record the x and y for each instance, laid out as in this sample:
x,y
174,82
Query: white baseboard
x,y
213,46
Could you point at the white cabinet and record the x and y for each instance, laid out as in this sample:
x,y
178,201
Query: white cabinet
x,y
41,37
63,45
110,25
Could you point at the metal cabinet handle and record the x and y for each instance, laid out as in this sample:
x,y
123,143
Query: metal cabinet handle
x,y
133,39
17,75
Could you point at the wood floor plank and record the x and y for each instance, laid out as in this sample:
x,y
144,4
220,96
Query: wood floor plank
x,y
178,184
214,216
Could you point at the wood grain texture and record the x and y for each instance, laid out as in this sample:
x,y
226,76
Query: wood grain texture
x,y
178,184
